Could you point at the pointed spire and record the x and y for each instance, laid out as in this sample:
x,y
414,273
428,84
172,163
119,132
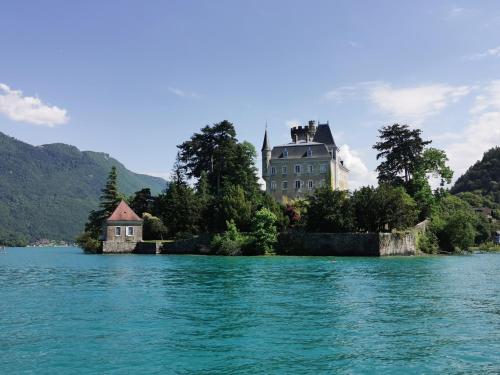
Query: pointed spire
x,y
265,144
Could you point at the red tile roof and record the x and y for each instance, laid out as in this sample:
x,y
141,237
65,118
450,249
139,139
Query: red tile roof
x,y
124,213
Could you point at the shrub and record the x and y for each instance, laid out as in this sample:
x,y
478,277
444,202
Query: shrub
x,y
264,234
231,242
88,242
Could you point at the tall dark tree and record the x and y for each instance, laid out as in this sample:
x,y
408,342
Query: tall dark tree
x,y
142,202
216,152
401,148
109,200
329,211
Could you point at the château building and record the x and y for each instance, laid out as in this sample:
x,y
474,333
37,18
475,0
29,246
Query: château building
x,y
310,160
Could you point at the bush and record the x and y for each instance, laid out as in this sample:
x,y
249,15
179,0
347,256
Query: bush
x,y
153,228
264,234
428,243
88,242
231,242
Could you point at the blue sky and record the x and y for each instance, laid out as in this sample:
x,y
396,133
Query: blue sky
x,y
136,78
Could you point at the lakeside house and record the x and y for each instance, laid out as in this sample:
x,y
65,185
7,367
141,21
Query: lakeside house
x,y
122,230
310,160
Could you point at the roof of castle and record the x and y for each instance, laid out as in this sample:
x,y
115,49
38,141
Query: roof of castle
x,y
265,144
299,150
123,213
324,135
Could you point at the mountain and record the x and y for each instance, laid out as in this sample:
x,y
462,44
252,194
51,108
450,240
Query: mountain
x,y
47,191
481,180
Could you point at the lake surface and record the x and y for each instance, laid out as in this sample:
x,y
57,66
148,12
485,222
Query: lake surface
x,y
64,312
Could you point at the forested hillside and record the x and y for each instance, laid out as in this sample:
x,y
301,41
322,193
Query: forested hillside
x,y
47,191
480,185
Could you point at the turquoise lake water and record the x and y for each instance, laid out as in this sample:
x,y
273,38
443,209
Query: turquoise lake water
x,y
64,312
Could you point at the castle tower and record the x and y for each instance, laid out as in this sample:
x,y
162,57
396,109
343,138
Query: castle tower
x,y
266,157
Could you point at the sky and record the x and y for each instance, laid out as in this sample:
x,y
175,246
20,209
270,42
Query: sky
x,y
136,78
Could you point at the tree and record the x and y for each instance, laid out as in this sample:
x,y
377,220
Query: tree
x,y
109,200
395,208
236,207
401,148
179,209
142,202
329,211
365,209
264,232
153,228
216,152
231,242
453,223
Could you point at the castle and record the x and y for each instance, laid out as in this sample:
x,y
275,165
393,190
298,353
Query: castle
x,y
311,160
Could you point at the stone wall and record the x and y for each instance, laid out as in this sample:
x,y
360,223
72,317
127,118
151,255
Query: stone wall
x,y
196,245
347,244
113,247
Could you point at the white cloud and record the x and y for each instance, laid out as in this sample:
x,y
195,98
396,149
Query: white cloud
x,y
489,100
415,104
292,123
492,52
481,134
454,12
29,109
182,93
359,174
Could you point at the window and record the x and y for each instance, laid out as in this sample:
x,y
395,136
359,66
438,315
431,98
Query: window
x,y
285,153
273,171
297,184
284,185
130,231
284,170
310,184
273,185
310,168
118,231
297,168
322,168
309,152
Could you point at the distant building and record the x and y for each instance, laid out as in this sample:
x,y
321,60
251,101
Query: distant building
x,y
497,237
311,160
123,230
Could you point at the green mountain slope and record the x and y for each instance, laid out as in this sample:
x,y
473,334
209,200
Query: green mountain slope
x,y
481,180
47,191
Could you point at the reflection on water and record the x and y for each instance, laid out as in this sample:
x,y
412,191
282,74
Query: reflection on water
x,y
62,310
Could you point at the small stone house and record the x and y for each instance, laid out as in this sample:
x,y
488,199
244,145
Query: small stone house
x,y
122,231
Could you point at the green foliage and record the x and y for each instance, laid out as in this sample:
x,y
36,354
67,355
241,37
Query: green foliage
x,y
216,152
428,243
179,208
109,200
384,208
88,242
329,211
153,228
401,148
142,202
231,242
264,233
483,177
47,191
453,223
236,207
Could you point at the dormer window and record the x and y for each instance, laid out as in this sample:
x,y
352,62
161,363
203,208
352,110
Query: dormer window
x,y
273,171
285,153
309,152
